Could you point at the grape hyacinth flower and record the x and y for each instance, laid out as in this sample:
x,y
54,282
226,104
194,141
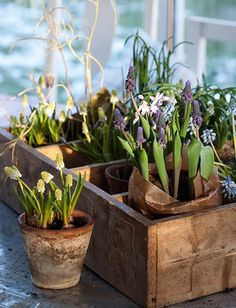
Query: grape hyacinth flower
x,y
210,108
59,162
196,116
118,122
69,180
140,139
162,137
228,188
208,136
232,107
46,176
187,92
130,81
169,110
40,186
12,172
58,194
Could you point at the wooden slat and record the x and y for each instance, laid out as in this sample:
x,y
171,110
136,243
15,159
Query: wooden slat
x,y
95,173
196,255
71,157
155,263
119,241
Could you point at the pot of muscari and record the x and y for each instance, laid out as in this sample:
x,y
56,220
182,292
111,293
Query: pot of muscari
x,y
55,235
174,171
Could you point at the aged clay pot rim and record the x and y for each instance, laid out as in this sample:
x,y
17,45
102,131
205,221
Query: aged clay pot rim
x,y
108,173
63,232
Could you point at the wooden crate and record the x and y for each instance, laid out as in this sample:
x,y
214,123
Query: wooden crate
x,y
155,263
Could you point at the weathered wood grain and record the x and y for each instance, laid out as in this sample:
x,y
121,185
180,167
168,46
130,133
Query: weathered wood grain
x,y
71,157
154,262
95,173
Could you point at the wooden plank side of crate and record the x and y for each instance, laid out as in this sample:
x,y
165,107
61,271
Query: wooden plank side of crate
x,y
95,173
118,248
71,157
196,255
120,243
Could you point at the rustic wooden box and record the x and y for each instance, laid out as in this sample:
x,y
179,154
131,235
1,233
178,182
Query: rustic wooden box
x,y
155,263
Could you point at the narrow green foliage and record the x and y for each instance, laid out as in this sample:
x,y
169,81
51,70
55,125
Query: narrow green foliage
x,y
177,160
46,200
143,164
184,127
159,159
146,126
194,150
207,162
126,146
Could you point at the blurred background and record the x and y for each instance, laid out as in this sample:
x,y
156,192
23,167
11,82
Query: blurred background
x,y
209,25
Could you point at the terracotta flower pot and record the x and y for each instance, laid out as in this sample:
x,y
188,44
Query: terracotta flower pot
x,y
115,181
56,256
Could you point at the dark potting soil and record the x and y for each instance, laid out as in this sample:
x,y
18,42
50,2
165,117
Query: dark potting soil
x,y
183,193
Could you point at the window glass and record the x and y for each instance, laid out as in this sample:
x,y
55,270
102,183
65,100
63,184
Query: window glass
x,y
220,62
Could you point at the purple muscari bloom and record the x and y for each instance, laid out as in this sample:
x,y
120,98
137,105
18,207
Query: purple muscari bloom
x,y
130,81
140,139
196,115
187,92
160,127
162,137
118,122
160,119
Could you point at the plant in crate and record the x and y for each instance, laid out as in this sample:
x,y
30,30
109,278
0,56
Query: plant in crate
x,y
42,126
173,170
55,235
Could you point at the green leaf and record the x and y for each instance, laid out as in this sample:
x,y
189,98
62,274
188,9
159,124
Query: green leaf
x,y
184,127
78,188
143,163
175,122
146,126
126,146
207,162
158,155
177,159
194,150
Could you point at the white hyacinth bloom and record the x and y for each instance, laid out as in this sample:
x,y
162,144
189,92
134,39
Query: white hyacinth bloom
x,y
12,172
40,186
50,108
46,176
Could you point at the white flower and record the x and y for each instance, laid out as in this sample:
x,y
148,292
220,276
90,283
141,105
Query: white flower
x,y
24,102
12,172
144,108
40,186
169,109
141,97
46,176
114,98
208,136
232,107
210,109
62,116
69,180
59,161
158,99
83,109
70,103
136,118
58,194
50,108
